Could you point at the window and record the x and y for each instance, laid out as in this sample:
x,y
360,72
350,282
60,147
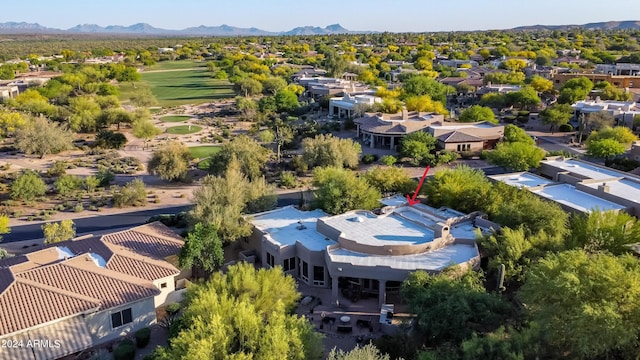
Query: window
x,y
121,318
305,271
318,275
289,264
163,285
270,259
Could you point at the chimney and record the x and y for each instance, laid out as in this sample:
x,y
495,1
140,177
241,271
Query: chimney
x,y
405,114
603,188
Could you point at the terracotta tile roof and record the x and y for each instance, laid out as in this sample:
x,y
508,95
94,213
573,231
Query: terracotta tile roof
x,y
25,304
154,240
141,267
80,275
11,261
86,245
458,137
77,276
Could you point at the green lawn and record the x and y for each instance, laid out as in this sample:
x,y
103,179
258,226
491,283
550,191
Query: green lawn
x,y
201,152
175,118
174,88
173,65
183,129
155,110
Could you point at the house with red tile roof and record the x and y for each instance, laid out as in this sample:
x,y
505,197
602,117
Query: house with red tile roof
x,y
76,294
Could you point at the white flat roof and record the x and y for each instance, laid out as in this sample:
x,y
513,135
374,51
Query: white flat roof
x,y
522,180
432,260
284,227
397,200
584,169
568,195
366,228
626,189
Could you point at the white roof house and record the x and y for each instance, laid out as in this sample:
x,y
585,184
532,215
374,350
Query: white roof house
x,y
365,247
580,186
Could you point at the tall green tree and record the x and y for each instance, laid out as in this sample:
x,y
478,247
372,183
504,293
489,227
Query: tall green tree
x,y
58,231
202,250
221,200
390,179
145,130
327,150
171,161
446,304
461,188
557,115
251,156
340,190
243,314
606,149
517,156
610,231
43,137
478,113
585,303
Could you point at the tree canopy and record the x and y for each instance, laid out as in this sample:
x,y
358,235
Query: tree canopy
x,y
340,190
478,113
221,200
585,303
243,314
327,150
171,161
251,156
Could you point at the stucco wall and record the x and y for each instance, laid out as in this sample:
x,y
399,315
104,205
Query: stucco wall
x,y
99,324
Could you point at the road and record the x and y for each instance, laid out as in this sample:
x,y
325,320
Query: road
x,y
117,221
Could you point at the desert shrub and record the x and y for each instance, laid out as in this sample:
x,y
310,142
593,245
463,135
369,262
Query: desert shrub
x,y
67,184
388,160
565,128
107,139
126,350
131,194
58,168
105,177
369,158
28,186
288,180
142,337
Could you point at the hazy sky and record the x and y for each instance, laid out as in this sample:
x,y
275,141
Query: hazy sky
x,y
282,15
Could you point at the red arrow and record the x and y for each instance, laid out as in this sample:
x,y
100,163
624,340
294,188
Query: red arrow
x,y
412,200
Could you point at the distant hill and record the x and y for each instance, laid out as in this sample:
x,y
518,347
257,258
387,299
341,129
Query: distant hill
x,y
146,30
608,25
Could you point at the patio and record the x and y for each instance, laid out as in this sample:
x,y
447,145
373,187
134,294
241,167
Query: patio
x,y
346,324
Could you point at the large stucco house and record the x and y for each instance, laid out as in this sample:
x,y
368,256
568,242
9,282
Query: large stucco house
x,y
380,130
362,253
76,294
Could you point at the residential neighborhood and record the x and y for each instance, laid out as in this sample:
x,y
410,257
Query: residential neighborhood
x,y
405,190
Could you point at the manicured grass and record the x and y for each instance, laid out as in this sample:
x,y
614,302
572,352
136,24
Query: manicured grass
x,y
175,118
204,164
173,65
201,152
173,88
155,110
183,129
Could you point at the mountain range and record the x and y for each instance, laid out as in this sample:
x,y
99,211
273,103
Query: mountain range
x,y
148,30
144,29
